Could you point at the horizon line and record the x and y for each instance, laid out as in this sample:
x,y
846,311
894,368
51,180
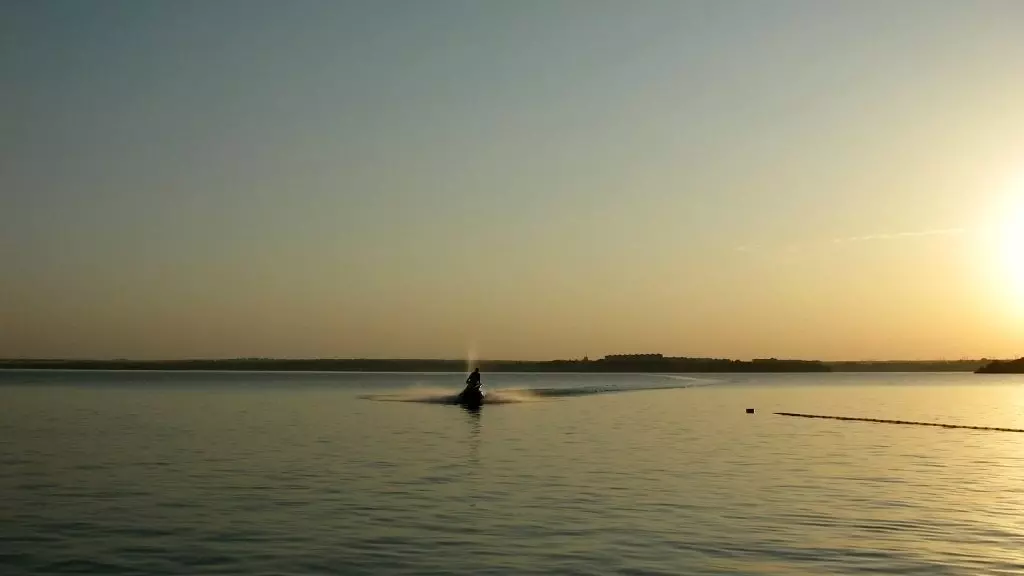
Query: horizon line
x,y
481,360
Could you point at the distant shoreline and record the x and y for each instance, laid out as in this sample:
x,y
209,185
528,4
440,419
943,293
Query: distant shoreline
x,y
613,364
1003,367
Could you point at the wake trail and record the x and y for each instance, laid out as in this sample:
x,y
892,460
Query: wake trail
x,y
521,395
448,397
614,389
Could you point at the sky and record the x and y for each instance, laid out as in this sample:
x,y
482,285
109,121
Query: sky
x,y
531,179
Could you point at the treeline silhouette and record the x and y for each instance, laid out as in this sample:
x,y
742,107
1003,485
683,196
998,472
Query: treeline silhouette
x,y
621,363
908,366
1003,367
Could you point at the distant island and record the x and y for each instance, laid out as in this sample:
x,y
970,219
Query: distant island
x,y
617,363
1003,367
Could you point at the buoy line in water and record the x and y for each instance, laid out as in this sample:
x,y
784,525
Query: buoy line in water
x,y
907,422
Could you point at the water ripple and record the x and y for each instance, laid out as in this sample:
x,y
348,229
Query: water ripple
x,y
306,479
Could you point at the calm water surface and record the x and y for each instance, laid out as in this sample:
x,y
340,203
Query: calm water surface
x,y
227,473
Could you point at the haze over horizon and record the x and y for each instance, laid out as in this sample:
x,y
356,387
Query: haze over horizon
x,y
522,180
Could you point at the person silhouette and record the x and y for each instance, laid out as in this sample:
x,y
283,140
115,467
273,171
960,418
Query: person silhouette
x,y
473,382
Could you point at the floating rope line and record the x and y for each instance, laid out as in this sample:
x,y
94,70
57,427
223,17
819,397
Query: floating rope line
x,y
881,421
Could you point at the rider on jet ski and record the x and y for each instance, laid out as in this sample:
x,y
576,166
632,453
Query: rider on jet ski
x,y
473,382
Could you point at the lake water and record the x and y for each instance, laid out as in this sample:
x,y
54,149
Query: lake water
x,y
269,473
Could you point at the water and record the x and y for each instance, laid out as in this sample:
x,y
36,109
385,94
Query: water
x,y
226,473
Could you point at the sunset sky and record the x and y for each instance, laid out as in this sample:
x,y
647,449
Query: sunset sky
x,y
517,179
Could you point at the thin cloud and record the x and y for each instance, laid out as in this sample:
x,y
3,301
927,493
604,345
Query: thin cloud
x,y
900,235
751,248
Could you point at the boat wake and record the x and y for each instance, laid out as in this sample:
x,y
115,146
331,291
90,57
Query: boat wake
x,y
428,396
522,395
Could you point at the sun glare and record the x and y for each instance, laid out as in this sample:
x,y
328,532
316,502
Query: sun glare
x,y
1012,248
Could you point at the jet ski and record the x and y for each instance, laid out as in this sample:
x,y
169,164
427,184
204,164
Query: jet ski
x,y
470,397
